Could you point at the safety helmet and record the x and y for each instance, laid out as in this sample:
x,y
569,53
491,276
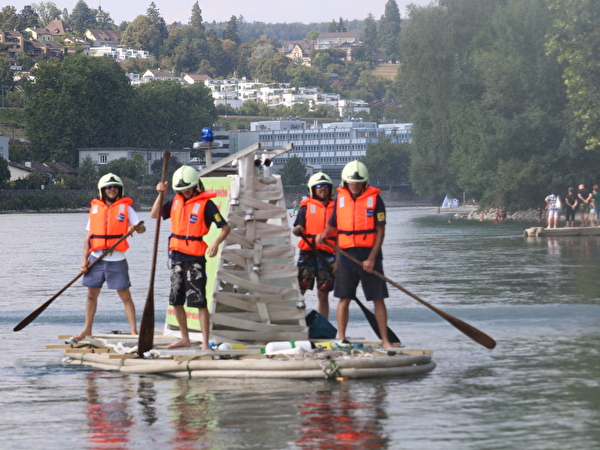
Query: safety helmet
x,y
186,177
319,178
110,179
355,172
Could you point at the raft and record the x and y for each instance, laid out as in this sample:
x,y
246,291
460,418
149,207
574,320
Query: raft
x,y
363,359
561,232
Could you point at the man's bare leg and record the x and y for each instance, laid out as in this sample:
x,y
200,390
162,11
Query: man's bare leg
x,y
205,325
125,296
182,322
381,317
342,317
323,303
91,305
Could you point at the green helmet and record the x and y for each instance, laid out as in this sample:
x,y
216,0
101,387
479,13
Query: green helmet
x,y
355,172
319,178
186,177
110,179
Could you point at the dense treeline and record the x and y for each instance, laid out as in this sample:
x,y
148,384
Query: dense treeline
x,y
485,84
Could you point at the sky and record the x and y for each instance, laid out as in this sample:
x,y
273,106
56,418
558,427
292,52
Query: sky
x,y
269,11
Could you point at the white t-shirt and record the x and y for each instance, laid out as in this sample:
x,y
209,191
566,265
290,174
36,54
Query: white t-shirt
x,y
115,255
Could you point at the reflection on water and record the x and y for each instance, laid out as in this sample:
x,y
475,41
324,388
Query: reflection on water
x,y
538,389
108,418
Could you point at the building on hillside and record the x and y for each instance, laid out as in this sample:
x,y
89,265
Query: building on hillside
x,y
103,38
41,34
327,147
57,28
194,78
119,53
52,172
101,156
75,45
332,40
4,147
157,74
299,51
15,42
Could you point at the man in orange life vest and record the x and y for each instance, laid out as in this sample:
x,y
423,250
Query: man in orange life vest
x,y
111,217
359,219
311,220
191,212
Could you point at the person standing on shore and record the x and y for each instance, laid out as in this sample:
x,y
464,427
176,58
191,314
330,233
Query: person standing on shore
x,y
311,220
571,203
594,213
191,212
552,211
111,217
584,197
359,219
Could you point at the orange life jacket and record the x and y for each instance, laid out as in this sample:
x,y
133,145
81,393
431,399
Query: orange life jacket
x,y
356,218
109,223
188,226
317,215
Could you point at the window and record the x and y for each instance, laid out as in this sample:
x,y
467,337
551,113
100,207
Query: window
x,y
102,158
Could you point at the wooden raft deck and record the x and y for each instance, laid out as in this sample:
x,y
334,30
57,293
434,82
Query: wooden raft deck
x,y
561,232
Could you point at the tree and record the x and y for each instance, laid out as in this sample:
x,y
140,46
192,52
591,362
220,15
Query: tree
x,y
159,23
196,19
165,114
135,169
142,34
389,31
293,172
46,11
28,18
87,173
82,17
4,172
388,163
369,37
88,98
575,41
9,19
231,32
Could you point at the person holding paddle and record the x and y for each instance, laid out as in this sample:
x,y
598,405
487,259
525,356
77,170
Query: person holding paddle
x,y
359,219
111,217
192,212
310,221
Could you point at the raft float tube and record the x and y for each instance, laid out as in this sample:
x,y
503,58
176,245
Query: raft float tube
x,y
283,359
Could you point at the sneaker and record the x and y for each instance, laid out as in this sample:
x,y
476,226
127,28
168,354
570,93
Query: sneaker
x,y
300,304
343,343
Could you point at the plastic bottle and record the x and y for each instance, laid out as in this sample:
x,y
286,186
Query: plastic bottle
x,y
272,347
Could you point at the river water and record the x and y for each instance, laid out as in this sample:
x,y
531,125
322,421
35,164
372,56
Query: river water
x,y
538,389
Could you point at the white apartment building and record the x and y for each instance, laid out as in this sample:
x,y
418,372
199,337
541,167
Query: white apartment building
x,y
327,147
119,53
234,92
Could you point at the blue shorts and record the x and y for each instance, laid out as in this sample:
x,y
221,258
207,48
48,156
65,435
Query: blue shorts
x,y
115,273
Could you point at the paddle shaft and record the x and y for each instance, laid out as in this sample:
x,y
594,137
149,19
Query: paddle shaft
x,y
475,334
31,317
146,337
366,311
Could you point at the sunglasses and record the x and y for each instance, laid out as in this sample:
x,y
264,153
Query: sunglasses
x,y
112,187
319,186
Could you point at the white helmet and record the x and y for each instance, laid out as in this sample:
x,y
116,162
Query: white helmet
x,y
355,172
186,177
110,179
320,178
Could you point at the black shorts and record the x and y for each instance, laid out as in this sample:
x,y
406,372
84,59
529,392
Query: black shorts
x,y
348,277
311,267
188,282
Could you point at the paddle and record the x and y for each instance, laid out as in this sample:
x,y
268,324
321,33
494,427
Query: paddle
x,y
366,311
475,334
31,317
146,337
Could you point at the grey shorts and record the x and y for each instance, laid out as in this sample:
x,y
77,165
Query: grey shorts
x,y
115,273
188,282
348,277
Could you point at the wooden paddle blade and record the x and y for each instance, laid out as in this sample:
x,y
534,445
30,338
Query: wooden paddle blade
x,y
31,317
146,337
